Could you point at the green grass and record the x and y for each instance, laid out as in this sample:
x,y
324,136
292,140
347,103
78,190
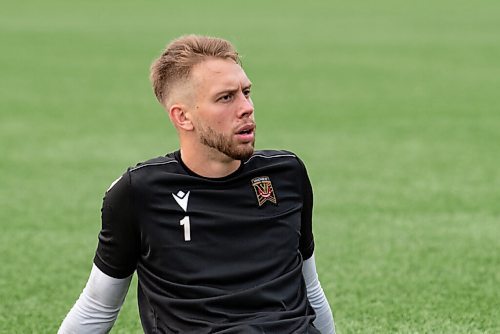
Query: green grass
x,y
394,108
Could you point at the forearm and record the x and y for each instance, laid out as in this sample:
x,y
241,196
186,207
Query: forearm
x,y
97,308
324,317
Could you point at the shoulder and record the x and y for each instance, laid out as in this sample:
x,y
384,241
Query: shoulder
x,y
263,155
274,157
155,163
154,174
148,170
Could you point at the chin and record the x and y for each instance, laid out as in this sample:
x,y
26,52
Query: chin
x,y
243,153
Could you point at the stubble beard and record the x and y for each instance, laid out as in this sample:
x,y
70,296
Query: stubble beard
x,y
224,144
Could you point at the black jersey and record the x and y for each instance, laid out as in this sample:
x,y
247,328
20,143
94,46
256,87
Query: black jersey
x,y
213,255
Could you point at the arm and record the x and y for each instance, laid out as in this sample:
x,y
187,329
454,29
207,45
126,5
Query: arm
x,y
324,318
315,295
97,308
114,264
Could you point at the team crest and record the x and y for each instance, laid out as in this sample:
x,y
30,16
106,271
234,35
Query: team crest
x,y
264,190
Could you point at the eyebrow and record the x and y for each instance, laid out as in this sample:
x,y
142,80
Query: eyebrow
x,y
233,90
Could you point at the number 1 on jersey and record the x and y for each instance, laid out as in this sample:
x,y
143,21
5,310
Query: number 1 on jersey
x,y
187,228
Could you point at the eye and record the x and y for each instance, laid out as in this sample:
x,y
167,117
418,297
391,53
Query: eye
x,y
226,98
246,92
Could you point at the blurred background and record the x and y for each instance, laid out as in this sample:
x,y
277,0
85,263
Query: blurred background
x,y
393,106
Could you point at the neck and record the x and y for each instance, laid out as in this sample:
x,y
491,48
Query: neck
x,y
211,164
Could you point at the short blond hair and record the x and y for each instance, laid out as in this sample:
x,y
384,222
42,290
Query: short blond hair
x,y
179,57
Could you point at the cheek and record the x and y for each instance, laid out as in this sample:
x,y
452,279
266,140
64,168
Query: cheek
x,y
216,118
222,122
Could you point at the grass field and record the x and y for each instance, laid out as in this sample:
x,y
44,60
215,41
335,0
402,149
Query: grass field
x,y
394,108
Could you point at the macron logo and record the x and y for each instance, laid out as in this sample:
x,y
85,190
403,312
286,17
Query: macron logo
x,y
182,199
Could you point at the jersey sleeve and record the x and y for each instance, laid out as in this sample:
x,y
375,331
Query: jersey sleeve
x,y
118,246
306,243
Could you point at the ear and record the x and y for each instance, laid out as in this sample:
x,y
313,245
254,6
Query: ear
x,y
180,116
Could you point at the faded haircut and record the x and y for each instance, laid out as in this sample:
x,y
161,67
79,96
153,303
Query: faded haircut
x,y
179,57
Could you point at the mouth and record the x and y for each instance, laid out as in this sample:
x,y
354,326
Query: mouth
x,y
246,129
246,132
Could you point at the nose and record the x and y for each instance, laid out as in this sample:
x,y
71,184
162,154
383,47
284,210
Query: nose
x,y
245,107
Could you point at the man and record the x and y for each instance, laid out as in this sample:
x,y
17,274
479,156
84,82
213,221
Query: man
x,y
220,235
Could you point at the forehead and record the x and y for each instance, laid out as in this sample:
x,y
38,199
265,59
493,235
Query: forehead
x,y
218,74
